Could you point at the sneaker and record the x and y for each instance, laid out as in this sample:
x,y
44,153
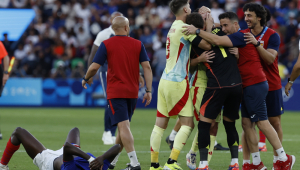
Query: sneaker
x,y
169,142
107,138
173,166
205,168
129,167
3,167
240,148
246,166
111,166
263,148
234,167
0,136
276,165
220,147
260,166
159,168
191,161
114,139
288,164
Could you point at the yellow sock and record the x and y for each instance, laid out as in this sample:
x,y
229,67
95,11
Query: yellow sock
x,y
180,140
211,148
155,141
194,147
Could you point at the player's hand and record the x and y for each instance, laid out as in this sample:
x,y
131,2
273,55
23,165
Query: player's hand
x,y
5,78
206,57
234,50
147,98
96,163
141,81
189,29
90,82
288,88
204,9
209,21
249,38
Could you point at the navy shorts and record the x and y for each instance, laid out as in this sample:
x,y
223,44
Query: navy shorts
x,y
274,102
121,109
253,102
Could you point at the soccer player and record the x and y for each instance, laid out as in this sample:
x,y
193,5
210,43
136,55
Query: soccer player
x,y
295,73
224,89
108,136
173,92
255,86
69,157
123,55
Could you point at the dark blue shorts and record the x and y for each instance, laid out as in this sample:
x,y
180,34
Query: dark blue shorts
x,y
121,109
274,102
253,102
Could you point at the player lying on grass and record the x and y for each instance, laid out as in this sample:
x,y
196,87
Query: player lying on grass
x,y
69,157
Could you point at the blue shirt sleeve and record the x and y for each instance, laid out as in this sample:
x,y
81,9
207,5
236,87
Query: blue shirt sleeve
x,y
143,54
274,42
237,39
101,55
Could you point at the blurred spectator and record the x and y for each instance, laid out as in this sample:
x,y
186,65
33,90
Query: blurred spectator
x,y
159,61
216,11
78,71
83,37
7,44
59,71
141,18
283,71
20,53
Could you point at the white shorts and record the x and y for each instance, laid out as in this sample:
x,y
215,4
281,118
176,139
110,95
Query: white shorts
x,y
45,159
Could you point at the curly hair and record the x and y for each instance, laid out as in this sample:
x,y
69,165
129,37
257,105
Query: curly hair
x,y
175,5
195,19
259,10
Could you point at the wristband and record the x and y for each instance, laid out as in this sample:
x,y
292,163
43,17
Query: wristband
x,y
147,91
91,159
258,44
289,81
86,80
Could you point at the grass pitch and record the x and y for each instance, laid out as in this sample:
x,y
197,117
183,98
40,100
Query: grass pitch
x,y
51,126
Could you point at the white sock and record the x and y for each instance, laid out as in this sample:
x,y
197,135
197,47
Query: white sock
x,y
114,162
281,154
256,158
216,142
246,161
276,158
192,152
203,164
133,158
234,161
260,144
172,135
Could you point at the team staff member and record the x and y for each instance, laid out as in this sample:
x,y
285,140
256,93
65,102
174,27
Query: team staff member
x,y
123,55
108,136
295,73
255,89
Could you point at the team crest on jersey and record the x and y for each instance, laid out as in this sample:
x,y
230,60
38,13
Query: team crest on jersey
x,y
262,43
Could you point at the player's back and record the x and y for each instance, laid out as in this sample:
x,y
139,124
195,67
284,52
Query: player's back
x,y
178,52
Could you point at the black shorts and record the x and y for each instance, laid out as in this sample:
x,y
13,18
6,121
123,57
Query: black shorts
x,y
121,109
274,103
228,98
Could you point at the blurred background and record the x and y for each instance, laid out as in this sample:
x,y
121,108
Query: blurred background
x,y
51,41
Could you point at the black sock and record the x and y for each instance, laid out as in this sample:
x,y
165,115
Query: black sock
x,y
171,161
203,139
155,165
232,138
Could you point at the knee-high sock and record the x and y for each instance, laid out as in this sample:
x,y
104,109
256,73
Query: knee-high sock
x,y
232,138
180,140
203,142
262,137
194,147
155,141
211,147
8,152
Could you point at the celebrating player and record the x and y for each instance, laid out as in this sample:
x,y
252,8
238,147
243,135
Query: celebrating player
x,y
224,88
123,82
255,88
69,157
173,92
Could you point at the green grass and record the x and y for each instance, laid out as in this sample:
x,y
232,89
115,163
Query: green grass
x,y
51,127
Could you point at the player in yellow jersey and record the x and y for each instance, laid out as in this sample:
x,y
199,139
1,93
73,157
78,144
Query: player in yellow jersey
x,y
174,98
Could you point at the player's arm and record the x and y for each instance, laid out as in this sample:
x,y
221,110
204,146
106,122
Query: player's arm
x,y
295,73
144,60
268,55
99,59
70,150
92,54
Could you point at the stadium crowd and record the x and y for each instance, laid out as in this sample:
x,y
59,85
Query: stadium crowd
x,y
58,41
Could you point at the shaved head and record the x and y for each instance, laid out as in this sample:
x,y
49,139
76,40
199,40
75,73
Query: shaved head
x,y
114,15
120,24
